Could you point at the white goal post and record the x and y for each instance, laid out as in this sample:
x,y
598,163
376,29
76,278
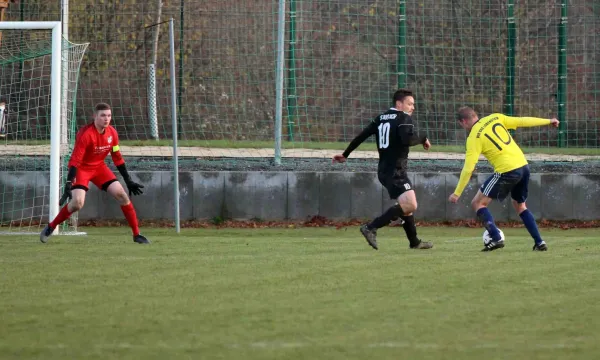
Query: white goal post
x,y
50,77
55,105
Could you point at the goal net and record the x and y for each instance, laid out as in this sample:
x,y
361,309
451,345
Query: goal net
x,y
39,71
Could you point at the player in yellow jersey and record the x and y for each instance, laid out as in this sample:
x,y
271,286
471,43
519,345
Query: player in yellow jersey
x,y
489,136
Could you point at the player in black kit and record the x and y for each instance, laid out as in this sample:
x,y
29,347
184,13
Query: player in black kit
x,y
395,134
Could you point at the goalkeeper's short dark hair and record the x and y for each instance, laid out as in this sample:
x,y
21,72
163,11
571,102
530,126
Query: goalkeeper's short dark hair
x,y
401,94
101,106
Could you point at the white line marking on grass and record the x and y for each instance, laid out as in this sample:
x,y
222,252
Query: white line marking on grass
x,y
289,345
277,345
463,239
559,238
390,345
292,345
563,238
158,345
486,346
121,346
403,345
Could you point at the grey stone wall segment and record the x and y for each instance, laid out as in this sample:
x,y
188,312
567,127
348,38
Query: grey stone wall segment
x,y
301,195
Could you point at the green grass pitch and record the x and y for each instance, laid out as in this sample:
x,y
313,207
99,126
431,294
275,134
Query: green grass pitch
x,y
307,293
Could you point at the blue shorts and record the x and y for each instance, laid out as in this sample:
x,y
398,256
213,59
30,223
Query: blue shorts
x,y
515,182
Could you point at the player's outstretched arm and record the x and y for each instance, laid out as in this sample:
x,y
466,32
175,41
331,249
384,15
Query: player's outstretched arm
x,y
471,158
359,139
133,187
512,122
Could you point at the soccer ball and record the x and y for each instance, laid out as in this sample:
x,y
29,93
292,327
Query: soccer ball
x,y
487,238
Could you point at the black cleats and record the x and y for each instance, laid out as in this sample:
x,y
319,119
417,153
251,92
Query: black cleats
x,y
422,245
46,233
140,239
540,247
494,245
370,235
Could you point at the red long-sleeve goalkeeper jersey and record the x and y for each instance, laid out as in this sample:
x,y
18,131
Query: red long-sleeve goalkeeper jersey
x,y
91,147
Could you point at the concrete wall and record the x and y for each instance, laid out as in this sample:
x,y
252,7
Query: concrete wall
x,y
299,195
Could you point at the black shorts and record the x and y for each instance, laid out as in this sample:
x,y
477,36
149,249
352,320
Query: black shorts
x,y
396,184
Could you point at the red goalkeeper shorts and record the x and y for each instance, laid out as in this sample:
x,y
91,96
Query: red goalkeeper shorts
x,y
101,176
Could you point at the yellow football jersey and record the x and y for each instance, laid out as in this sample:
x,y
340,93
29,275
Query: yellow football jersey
x,y
490,137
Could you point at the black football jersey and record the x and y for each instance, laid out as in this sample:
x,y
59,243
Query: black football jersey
x,y
395,134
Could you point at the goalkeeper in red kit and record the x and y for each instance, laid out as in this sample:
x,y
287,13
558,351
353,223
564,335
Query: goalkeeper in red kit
x,y
92,144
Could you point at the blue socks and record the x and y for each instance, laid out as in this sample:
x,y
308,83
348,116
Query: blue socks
x,y
487,219
531,226
485,216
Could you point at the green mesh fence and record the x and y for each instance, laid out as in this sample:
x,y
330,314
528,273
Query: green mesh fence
x,y
343,59
25,116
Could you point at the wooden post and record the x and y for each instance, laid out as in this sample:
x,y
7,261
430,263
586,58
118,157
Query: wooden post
x,y
3,7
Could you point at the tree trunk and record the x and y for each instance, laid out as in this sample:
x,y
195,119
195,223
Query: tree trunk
x,y
159,5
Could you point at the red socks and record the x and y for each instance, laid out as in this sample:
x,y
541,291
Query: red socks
x,y
63,215
128,211
131,217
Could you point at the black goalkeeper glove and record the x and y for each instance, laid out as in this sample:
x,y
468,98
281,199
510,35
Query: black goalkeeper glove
x,y
68,186
134,187
66,194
